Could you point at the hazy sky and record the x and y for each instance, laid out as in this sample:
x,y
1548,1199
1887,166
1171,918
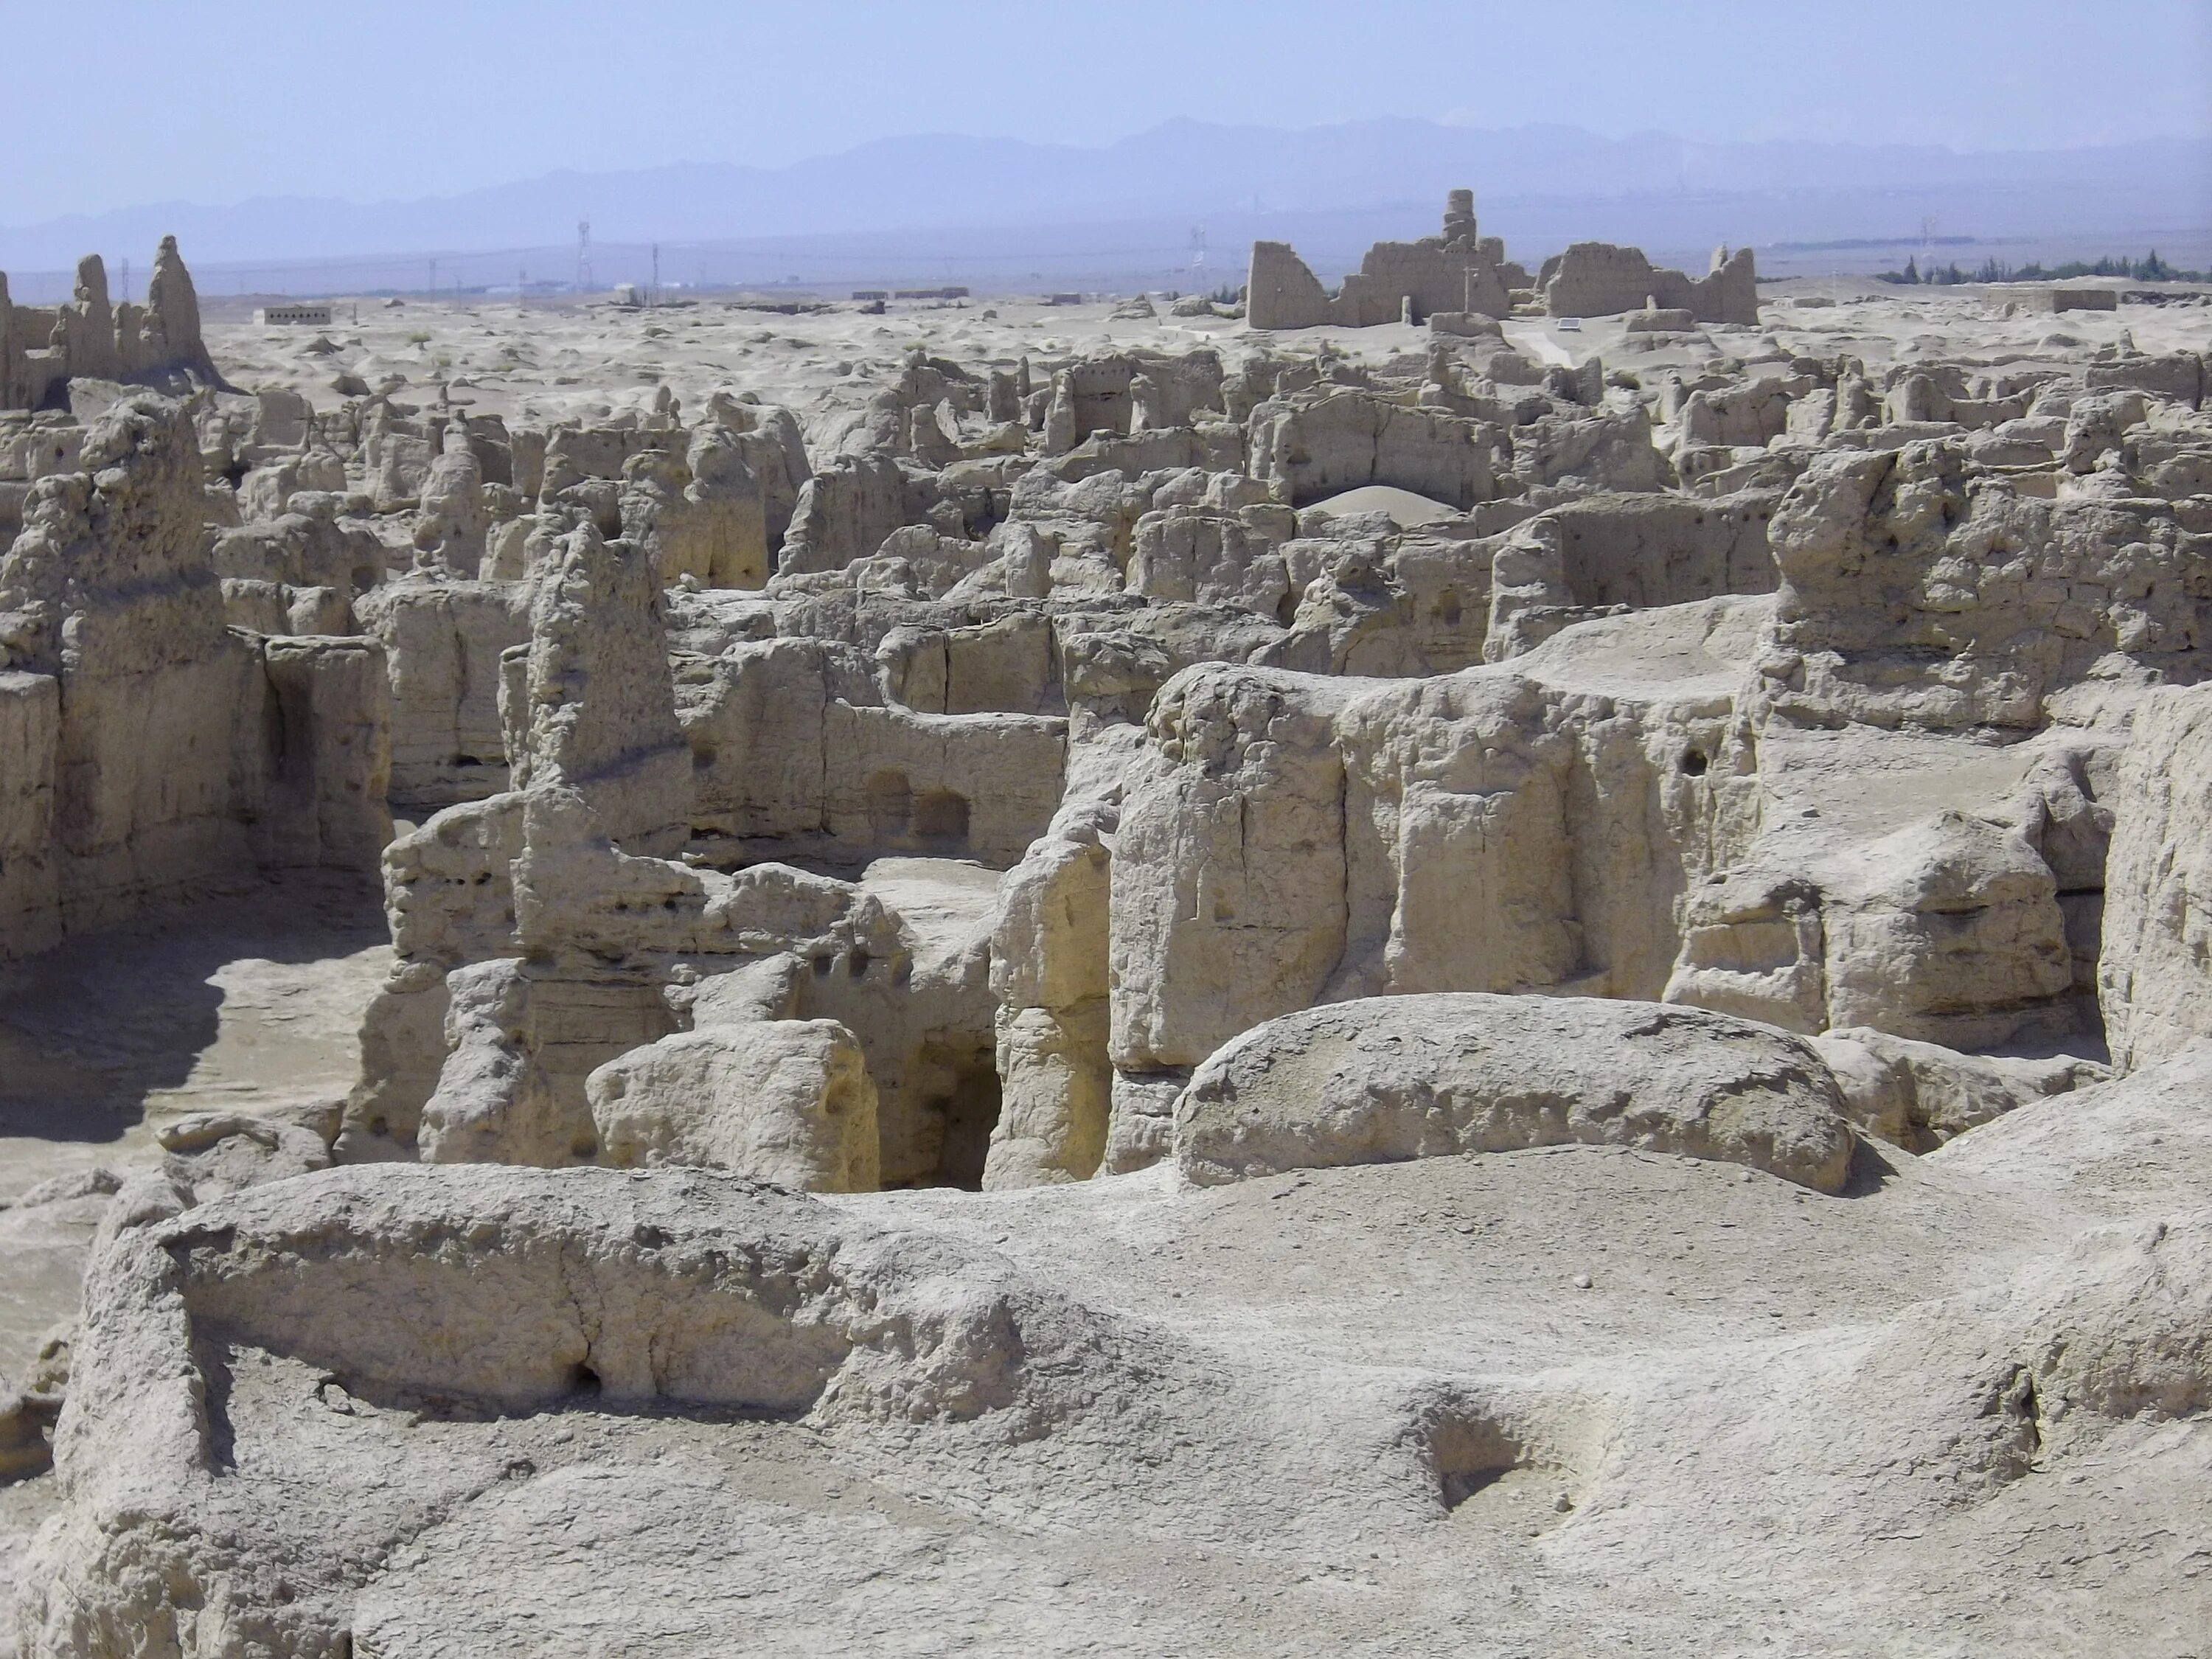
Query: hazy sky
x,y
213,100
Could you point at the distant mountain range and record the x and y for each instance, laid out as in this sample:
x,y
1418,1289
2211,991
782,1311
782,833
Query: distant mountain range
x,y
906,192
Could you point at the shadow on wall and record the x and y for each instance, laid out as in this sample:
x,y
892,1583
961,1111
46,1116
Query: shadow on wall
x,y
935,821
955,1088
971,1112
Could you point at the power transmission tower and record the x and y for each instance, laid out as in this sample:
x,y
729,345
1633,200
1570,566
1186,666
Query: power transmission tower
x,y
583,256
652,294
1198,250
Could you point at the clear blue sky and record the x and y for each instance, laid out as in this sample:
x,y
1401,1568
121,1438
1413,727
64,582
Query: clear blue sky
x,y
112,103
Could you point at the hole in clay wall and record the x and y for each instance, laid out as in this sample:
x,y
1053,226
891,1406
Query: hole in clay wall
x,y
1469,1454
970,1113
941,817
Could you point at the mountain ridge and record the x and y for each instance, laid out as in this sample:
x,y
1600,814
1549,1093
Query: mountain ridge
x,y
1183,168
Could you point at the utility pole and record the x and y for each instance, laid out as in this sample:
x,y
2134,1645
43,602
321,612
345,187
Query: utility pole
x,y
521,290
434,279
652,294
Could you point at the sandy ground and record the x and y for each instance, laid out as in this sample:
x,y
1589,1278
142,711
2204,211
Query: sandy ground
x,y
248,1000
243,1003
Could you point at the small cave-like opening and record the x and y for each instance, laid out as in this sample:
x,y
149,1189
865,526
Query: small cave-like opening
x,y
940,818
1469,1454
970,1113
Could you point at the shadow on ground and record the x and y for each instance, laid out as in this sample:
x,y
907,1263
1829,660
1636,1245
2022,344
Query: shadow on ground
x,y
233,998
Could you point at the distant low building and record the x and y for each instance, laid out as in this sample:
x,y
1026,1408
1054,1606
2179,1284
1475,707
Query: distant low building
x,y
2075,299
863,294
294,316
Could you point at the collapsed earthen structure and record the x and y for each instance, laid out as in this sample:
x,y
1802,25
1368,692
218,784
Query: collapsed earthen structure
x,y
151,750
1459,275
1095,956
156,342
1458,270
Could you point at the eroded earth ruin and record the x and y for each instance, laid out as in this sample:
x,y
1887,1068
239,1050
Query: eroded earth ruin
x,y
1118,979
